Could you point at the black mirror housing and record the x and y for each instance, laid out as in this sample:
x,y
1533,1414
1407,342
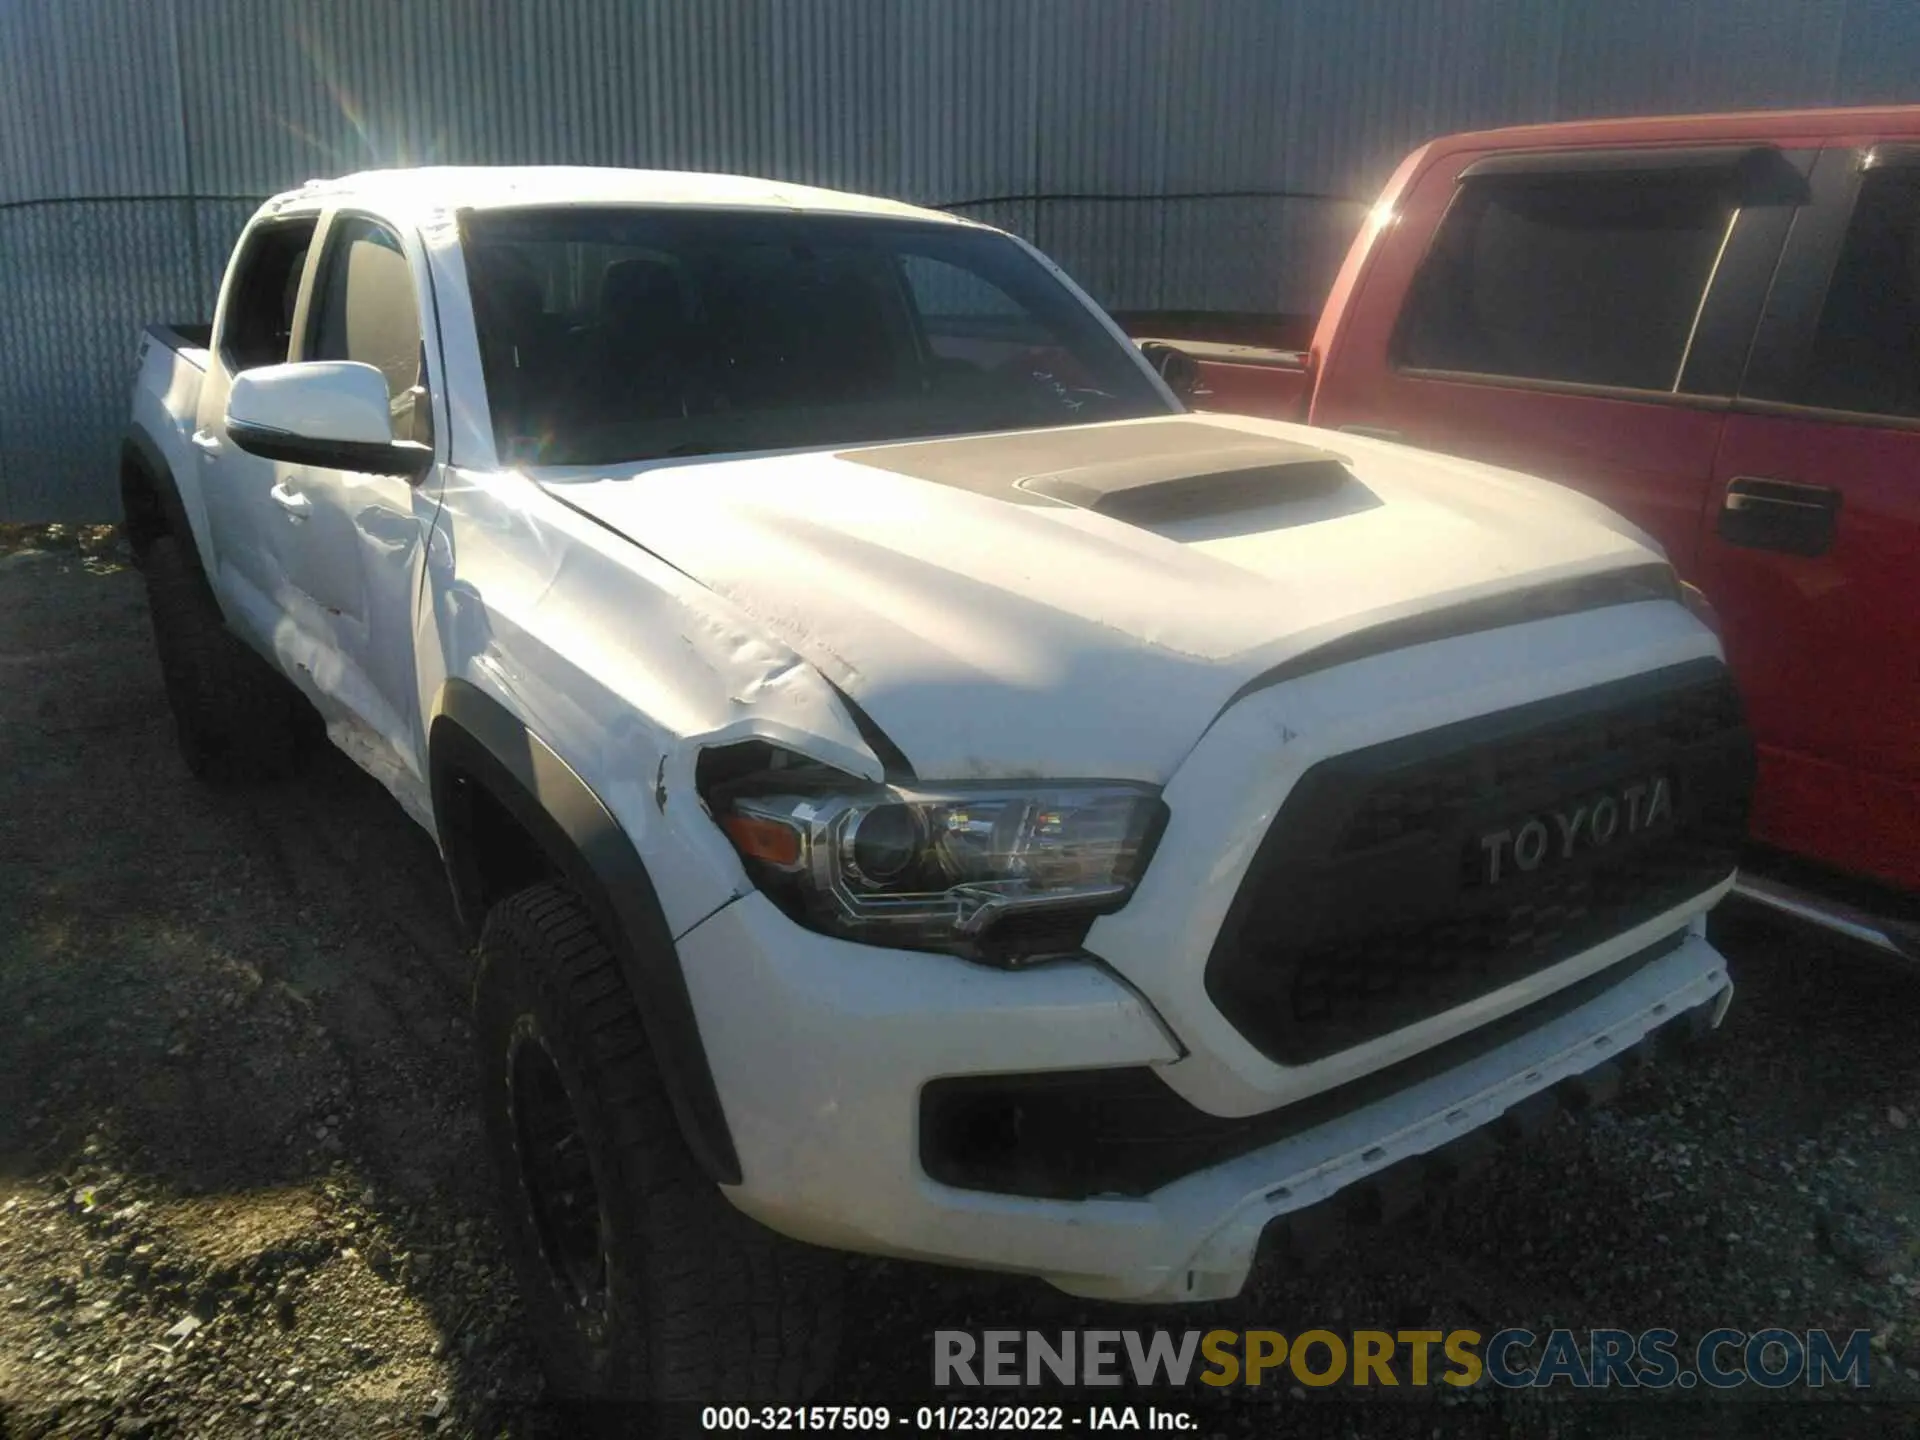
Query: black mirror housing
x,y
399,457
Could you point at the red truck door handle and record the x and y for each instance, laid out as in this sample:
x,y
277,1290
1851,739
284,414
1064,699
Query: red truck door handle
x,y
1782,515
1374,432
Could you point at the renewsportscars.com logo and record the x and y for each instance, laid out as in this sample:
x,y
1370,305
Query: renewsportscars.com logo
x,y
1721,1359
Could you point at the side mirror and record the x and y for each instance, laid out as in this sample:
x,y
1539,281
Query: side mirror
x,y
1179,369
333,414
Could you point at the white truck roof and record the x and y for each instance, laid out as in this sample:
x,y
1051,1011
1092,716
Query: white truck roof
x,y
450,187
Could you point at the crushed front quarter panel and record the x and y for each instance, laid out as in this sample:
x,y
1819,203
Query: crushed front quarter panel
x,y
623,666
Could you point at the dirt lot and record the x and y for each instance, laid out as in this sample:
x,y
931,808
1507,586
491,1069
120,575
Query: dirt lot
x,y
242,1192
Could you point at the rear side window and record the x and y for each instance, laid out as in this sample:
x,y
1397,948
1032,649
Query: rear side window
x,y
1589,279
1865,355
363,309
258,326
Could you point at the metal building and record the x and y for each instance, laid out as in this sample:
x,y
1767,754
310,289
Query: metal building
x,y
1172,154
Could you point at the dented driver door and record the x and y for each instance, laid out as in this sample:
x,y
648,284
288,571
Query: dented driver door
x,y
356,548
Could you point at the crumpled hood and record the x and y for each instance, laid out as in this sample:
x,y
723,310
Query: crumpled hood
x,y
992,631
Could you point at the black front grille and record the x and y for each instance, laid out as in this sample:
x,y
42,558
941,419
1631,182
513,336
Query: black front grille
x,y
1378,897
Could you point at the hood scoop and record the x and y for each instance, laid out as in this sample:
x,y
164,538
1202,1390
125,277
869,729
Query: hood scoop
x,y
1140,474
1157,489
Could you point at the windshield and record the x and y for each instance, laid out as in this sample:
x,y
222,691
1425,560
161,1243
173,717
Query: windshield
x,y
617,334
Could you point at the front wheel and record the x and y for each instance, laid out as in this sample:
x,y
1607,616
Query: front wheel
x,y
640,1280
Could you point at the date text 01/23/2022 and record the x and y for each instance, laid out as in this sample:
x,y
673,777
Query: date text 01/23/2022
x,y
754,1420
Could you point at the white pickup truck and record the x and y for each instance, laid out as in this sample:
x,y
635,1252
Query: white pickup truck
x,y
915,787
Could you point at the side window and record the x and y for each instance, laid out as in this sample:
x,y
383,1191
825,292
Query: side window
x,y
960,310
258,326
1589,279
944,291
1865,354
363,308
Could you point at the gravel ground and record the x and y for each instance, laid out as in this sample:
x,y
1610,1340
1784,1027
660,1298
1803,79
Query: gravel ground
x,y
242,1189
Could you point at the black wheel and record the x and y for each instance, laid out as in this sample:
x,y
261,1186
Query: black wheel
x,y
236,720
641,1281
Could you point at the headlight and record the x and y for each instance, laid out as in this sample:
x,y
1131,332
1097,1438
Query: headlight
x,y
999,873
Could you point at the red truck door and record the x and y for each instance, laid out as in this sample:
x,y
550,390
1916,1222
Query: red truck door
x,y
1811,546
1578,314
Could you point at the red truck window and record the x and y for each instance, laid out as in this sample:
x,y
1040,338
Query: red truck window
x,y
1583,278
1865,355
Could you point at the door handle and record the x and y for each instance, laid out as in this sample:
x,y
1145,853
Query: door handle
x,y
293,502
207,441
1374,432
1782,515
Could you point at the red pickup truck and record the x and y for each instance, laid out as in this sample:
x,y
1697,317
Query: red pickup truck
x,y
1712,324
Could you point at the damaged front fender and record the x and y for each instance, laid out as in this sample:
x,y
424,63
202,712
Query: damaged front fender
x,y
575,679
624,667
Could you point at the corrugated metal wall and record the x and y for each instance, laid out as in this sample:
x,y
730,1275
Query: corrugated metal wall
x,y
114,112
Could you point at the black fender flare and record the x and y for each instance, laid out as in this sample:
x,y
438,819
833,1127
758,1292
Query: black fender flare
x,y
477,740
138,450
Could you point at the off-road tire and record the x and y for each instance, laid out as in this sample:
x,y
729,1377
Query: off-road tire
x,y
699,1303
235,719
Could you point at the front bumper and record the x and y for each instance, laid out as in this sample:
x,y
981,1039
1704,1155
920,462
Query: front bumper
x,y
821,1049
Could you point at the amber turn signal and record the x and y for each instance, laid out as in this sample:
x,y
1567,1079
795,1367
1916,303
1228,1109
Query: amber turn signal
x,y
761,839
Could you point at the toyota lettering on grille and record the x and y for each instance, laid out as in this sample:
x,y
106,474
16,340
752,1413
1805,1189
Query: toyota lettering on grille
x,y
1619,813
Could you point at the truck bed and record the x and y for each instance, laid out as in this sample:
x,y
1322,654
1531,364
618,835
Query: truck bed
x,y
173,363
183,334
1249,379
